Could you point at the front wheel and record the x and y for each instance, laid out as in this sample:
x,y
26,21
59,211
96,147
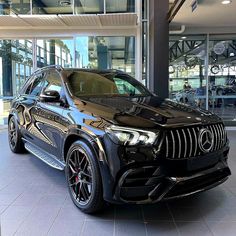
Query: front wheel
x,y
14,137
83,178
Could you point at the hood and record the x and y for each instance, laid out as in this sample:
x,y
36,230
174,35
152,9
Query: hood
x,y
145,112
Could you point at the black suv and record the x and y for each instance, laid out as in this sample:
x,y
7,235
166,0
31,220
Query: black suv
x,y
116,141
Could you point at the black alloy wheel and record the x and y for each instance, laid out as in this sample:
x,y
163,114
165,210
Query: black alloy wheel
x,y
14,137
83,178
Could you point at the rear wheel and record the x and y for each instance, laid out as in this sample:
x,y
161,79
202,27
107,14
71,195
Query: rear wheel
x,y
83,178
14,137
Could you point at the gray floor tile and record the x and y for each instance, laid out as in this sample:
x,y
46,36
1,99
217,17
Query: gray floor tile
x,y
156,212
160,228
27,199
108,214
68,201
34,200
129,227
12,218
9,227
222,228
128,212
64,226
186,213
39,188
219,214
3,208
98,228
16,213
52,200
39,221
13,188
7,199
71,213
193,229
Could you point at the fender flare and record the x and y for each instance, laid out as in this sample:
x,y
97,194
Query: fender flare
x,y
90,138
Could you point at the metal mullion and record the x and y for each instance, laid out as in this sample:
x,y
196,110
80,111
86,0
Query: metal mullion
x,y
207,71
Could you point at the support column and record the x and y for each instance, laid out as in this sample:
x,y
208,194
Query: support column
x,y
52,52
159,47
102,52
7,69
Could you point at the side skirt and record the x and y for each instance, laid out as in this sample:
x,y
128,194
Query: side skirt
x,y
44,156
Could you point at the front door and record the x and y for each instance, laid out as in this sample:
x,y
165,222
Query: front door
x,y
49,116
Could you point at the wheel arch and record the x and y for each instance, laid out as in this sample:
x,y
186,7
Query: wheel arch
x,y
94,143
13,113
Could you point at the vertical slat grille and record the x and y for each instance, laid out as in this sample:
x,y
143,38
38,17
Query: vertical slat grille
x,y
183,142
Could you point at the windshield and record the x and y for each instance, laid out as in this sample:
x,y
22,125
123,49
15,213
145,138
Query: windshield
x,y
91,84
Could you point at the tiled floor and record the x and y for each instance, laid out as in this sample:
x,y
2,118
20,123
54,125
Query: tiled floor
x,y
34,201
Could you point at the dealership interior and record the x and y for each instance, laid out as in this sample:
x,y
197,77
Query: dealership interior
x,y
183,50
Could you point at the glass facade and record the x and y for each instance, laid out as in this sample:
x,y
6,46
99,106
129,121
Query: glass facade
x,y
203,73
20,57
15,65
16,57
55,52
16,7
106,53
145,38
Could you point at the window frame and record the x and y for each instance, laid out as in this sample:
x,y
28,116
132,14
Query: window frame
x,y
30,83
62,93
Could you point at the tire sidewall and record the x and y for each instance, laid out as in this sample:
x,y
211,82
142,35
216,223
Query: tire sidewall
x,y
96,179
12,119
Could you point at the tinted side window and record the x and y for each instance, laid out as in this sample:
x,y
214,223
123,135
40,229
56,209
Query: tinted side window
x,y
37,85
52,82
124,87
28,89
34,88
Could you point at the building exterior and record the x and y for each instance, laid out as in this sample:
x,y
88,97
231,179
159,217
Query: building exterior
x,y
123,35
81,46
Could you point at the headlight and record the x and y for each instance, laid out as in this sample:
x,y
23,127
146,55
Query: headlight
x,y
129,136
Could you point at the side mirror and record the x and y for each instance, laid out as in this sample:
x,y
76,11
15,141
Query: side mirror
x,y
50,96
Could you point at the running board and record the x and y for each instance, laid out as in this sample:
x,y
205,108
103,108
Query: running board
x,y
45,157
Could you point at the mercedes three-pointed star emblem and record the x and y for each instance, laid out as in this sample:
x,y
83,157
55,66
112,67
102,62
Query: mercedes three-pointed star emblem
x,y
205,140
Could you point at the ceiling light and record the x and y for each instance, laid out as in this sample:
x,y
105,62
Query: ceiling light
x,y
225,2
184,37
65,3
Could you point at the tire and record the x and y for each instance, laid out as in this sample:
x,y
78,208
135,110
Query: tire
x,y
83,178
14,137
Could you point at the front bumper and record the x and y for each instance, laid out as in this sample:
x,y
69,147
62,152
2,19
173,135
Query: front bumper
x,y
151,183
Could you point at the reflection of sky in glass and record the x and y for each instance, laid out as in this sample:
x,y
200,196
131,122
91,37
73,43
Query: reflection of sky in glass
x,y
82,48
70,45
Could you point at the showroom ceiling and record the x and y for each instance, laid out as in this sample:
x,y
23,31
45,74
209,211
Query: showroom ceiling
x,y
209,15
29,25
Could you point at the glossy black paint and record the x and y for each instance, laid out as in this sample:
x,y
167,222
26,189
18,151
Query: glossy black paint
x,y
54,126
